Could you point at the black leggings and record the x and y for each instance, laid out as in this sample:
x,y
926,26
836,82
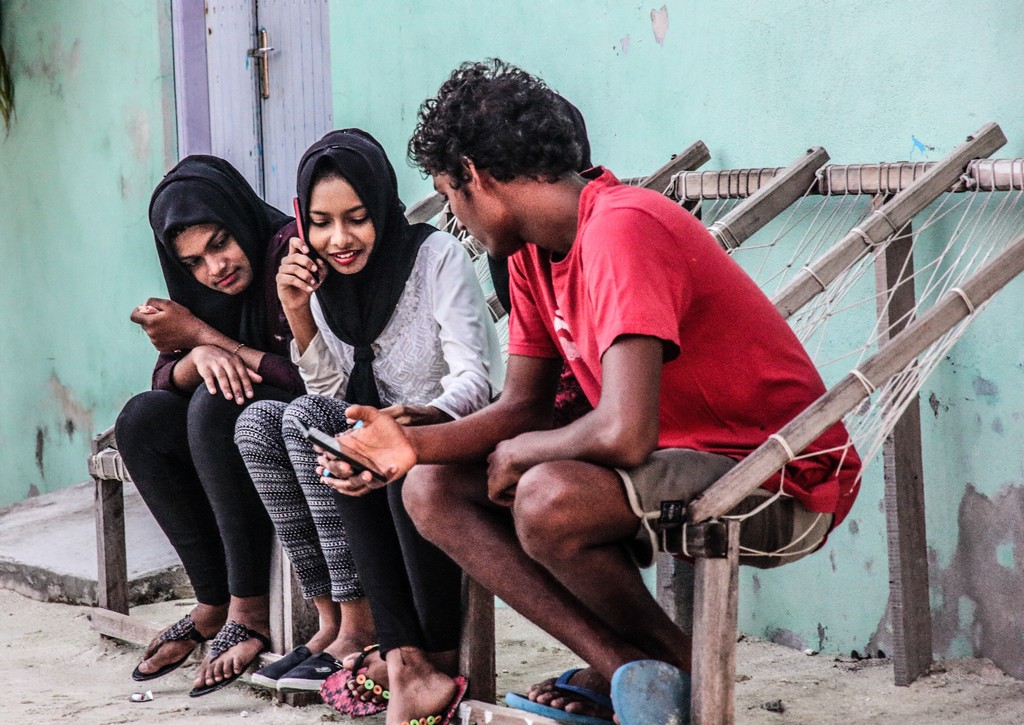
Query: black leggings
x,y
181,454
418,604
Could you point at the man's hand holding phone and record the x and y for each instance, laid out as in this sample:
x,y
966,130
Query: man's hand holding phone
x,y
379,444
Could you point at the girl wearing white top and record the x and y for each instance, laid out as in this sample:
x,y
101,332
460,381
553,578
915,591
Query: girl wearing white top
x,y
391,315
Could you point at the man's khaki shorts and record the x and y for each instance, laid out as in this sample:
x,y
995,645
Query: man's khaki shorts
x,y
783,528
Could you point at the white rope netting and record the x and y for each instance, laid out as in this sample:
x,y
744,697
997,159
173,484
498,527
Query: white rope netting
x,y
846,322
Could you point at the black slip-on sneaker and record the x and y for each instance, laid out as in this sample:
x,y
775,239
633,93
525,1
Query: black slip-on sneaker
x,y
310,675
268,676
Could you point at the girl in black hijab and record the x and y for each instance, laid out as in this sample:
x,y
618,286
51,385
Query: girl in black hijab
x,y
387,314
223,343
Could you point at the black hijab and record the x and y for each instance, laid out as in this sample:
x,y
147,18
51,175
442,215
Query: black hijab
x,y
357,307
209,190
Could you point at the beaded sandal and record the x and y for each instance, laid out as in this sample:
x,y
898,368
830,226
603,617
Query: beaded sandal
x,y
229,635
336,691
449,713
181,630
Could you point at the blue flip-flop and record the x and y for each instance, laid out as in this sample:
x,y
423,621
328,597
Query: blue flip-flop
x,y
521,702
646,692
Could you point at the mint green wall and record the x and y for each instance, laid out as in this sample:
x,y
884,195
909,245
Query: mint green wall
x,y
94,128
759,82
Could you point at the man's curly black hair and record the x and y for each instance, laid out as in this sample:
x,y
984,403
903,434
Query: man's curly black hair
x,y
501,118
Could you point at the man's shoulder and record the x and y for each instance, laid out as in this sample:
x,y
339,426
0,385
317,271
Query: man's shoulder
x,y
620,212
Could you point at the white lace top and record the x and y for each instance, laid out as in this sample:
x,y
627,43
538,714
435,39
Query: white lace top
x,y
440,347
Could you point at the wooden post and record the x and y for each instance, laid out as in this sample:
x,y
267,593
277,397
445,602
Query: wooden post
x,y
108,474
716,605
111,558
674,590
476,653
293,619
904,479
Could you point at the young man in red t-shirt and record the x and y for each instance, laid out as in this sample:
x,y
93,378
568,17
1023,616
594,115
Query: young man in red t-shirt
x,y
688,365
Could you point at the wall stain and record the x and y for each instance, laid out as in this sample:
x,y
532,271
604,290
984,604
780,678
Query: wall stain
x,y
659,24
985,388
919,147
33,491
997,425
76,417
821,637
787,638
981,595
137,129
56,64
40,448
624,43
854,526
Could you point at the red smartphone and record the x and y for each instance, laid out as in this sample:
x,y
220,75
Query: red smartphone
x,y
298,220
333,446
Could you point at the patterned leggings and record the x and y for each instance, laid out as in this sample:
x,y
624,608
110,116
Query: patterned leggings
x,y
412,586
282,465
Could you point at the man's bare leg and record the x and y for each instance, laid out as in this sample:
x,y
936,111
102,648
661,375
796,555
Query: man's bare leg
x,y
449,506
586,555
572,517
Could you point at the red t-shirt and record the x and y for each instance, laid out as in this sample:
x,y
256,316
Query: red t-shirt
x,y
734,372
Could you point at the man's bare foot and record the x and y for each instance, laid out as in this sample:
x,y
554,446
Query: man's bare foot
x,y
207,620
417,689
547,693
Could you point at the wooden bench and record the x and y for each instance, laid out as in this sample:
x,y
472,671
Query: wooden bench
x,y
293,619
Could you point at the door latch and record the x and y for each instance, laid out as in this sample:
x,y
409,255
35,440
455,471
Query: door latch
x,y
261,54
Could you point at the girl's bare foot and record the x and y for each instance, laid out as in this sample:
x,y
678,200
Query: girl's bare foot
x,y
206,618
355,632
252,613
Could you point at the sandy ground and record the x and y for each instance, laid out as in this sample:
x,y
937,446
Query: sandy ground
x,y
56,669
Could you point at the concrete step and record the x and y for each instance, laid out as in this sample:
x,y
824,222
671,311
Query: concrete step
x,y
48,549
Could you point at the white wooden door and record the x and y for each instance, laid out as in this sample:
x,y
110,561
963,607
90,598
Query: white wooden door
x,y
298,109
263,104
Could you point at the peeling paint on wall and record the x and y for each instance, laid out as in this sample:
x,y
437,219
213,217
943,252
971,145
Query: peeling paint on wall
x,y
40,451
659,24
981,613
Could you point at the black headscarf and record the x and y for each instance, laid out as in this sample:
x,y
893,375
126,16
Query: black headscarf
x,y
209,190
357,307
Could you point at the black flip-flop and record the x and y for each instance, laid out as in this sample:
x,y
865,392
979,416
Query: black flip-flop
x,y
180,631
229,635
